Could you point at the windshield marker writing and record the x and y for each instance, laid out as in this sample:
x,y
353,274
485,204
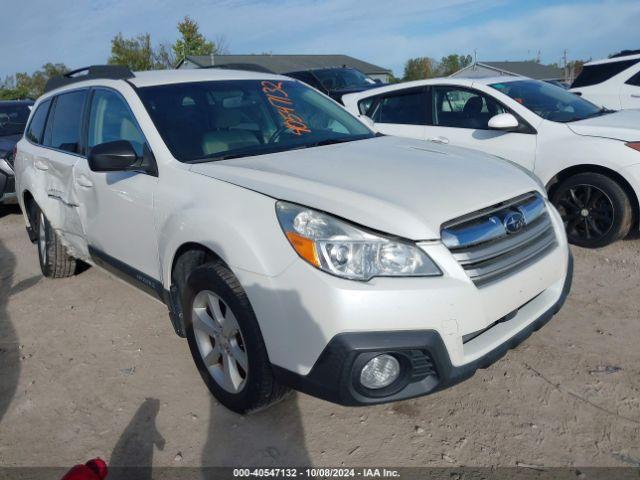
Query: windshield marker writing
x,y
280,100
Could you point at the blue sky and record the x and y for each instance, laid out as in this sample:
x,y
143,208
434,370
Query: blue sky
x,y
384,32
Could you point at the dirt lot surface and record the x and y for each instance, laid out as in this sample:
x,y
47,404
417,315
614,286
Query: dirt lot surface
x,y
91,367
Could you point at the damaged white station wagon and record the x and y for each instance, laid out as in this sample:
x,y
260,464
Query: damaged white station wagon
x,y
292,246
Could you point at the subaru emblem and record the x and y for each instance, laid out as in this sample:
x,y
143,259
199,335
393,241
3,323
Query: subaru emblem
x,y
514,222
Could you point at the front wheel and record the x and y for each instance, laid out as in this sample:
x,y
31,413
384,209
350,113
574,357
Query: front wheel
x,y
595,209
225,340
55,262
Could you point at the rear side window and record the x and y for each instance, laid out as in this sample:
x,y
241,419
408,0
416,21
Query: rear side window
x,y
409,107
635,80
595,74
36,127
65,121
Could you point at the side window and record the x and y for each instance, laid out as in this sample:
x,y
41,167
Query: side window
x,y
364,105
111,120
461,108
64,130
595,74
635,80
410,107
36,127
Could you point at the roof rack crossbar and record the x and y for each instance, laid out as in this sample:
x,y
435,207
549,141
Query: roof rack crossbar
x,y
112,72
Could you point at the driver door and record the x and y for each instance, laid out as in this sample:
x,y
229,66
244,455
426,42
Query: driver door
x,y
461,116
116,208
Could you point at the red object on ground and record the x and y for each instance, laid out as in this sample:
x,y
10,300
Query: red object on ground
x,y
95,469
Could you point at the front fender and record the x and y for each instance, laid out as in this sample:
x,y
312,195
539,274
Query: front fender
x,y
238,225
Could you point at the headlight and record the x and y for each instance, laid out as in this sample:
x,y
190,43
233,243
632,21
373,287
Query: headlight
x,y
342,249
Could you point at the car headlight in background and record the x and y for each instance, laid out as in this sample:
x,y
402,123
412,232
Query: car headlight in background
x,y
340,248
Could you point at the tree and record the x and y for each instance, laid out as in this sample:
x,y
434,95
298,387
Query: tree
x,y
191,41
135,52
419,68
22,85
452,63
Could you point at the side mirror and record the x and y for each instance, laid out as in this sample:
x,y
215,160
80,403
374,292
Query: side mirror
x,y
504,121
368,122
112,156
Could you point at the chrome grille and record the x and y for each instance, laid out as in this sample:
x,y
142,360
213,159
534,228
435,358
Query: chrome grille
x,y
495,242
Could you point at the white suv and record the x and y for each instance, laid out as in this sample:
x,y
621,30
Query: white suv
x,y
292,246
611,83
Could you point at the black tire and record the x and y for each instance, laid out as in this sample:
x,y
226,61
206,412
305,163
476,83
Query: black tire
x,y
260,388
55,262
595,209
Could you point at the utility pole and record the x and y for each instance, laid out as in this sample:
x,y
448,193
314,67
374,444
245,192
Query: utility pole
x,y
565,65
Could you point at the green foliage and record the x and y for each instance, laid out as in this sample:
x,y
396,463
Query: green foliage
x,y
135,53
425,67
191,41
419,68
452,63
22,85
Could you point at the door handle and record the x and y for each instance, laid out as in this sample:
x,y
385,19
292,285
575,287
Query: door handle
x,y
635,95
442,140
83,181
41,165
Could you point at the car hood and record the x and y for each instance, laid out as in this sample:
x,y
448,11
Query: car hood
x,y
622,125
7,143
395,185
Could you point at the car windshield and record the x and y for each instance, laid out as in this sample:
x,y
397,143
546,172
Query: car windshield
x,y
217,120
13,119
549,101
342,78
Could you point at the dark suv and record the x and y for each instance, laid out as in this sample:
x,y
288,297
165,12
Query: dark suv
x,y
13,118
336,81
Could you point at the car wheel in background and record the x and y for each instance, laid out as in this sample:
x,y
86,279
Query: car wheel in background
x,y
55,262
595,209
225,340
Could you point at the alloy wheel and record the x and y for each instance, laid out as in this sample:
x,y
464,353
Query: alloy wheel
x,y
220,341
42,238
587,212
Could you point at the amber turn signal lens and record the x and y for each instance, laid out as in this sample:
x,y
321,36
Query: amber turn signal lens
x,y
306,248
634,145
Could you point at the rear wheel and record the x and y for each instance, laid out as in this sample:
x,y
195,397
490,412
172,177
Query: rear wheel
x,y
595,209
225,340
55,262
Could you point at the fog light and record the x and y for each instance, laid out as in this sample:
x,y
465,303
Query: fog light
x,y
380,372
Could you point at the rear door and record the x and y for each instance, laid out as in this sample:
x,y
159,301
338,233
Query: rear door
x,y
461,117
62,139
117,207
403,113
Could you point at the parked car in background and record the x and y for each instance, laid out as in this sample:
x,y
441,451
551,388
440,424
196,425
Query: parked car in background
x,y
612,83
13,119
292,246
587,157
335,82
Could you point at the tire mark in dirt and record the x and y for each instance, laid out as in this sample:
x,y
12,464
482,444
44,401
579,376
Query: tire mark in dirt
x,y
578,397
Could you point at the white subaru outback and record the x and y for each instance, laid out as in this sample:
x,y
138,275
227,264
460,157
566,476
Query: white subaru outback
x,y
292,246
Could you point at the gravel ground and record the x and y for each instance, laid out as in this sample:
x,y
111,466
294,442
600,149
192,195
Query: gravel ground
x,y
91,367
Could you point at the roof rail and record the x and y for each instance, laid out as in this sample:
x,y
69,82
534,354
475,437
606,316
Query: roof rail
x,y
113,72
625,53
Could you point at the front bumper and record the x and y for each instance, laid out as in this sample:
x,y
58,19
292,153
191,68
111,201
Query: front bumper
x,y
7,182
7,187
430,369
